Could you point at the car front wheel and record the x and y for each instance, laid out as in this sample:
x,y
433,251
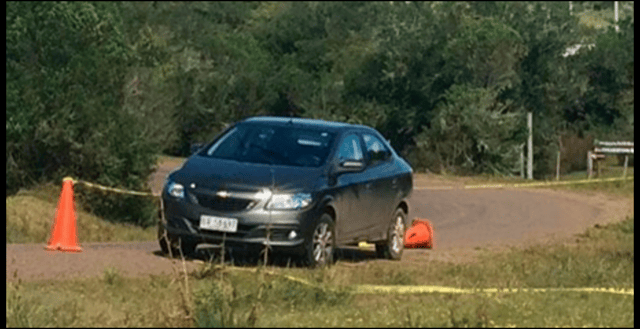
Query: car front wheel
x,y
171,246
394,245
321,243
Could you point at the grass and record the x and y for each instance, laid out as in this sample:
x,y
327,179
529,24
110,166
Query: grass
x,y
111,301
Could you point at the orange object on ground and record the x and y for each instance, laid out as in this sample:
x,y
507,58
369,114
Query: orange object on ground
x,y
63,232
419,235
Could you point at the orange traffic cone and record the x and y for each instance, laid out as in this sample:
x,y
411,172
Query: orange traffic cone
x,y
419,235
63,232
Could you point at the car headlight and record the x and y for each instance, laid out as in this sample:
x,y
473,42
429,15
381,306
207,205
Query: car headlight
x,y
175,190
289,201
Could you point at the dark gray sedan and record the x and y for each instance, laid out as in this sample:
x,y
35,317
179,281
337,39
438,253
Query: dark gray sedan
x,y
302,186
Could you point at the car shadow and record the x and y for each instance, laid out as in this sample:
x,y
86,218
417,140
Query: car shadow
x,y
238,257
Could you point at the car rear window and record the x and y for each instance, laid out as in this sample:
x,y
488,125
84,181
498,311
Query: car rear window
x,y
271,144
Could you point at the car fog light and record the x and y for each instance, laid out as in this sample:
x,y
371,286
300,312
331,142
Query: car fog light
x,y
292,235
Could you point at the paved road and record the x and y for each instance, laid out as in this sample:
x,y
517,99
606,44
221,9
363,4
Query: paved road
x,y
470,218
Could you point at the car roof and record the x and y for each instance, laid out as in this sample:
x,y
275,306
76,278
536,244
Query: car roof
x,y
315,123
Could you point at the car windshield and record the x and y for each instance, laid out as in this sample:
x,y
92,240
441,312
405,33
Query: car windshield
x,y
278,145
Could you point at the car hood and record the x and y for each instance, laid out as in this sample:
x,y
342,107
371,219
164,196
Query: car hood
x,y
212,173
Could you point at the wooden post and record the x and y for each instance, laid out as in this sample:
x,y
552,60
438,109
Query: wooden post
x,y
522,161
626,162
560,148
558,167
530,146
589,164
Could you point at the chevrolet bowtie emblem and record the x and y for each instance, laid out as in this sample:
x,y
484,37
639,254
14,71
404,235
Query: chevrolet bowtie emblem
x,y
222,194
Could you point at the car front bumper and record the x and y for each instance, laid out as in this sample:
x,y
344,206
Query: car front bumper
x,y
256,227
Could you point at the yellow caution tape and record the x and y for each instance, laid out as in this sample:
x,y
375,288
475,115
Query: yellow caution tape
x,y
486,186
399,289
365,245
372,289
106,188
583,181
375,289
434,188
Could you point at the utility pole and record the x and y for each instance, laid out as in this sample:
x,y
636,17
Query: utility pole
x,y
530,146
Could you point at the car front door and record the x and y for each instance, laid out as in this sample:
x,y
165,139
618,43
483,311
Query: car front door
x,y
352,195
381,175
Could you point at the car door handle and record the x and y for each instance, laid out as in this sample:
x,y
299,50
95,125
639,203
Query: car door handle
x,y
367,186
394,183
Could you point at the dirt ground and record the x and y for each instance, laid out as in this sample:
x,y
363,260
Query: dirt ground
x,y
465,222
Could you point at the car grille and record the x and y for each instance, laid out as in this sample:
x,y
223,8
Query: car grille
x,y
248,231
223,204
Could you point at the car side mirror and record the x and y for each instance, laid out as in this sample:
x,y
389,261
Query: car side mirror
x,y
346,166
352,164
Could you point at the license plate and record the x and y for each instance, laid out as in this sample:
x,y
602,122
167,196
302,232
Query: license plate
x,y
215,223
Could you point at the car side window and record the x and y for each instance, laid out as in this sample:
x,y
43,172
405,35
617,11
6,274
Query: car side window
x,y
375,148
350,148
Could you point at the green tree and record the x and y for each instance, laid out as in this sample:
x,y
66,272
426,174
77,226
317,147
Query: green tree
x,y
546,30
208,70
606,107
66,64
195,67
472,131
485,53
403,72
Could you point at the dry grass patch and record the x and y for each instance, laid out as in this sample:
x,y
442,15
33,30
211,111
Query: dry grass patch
x,y
30,215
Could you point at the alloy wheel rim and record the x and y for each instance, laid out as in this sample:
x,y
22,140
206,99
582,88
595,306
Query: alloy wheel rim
x,y
322,243
398,235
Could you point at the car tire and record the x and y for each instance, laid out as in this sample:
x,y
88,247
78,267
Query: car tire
x,y
321,242
172,248
393,247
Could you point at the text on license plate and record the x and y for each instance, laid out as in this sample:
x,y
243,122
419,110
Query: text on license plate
x,y
215,223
